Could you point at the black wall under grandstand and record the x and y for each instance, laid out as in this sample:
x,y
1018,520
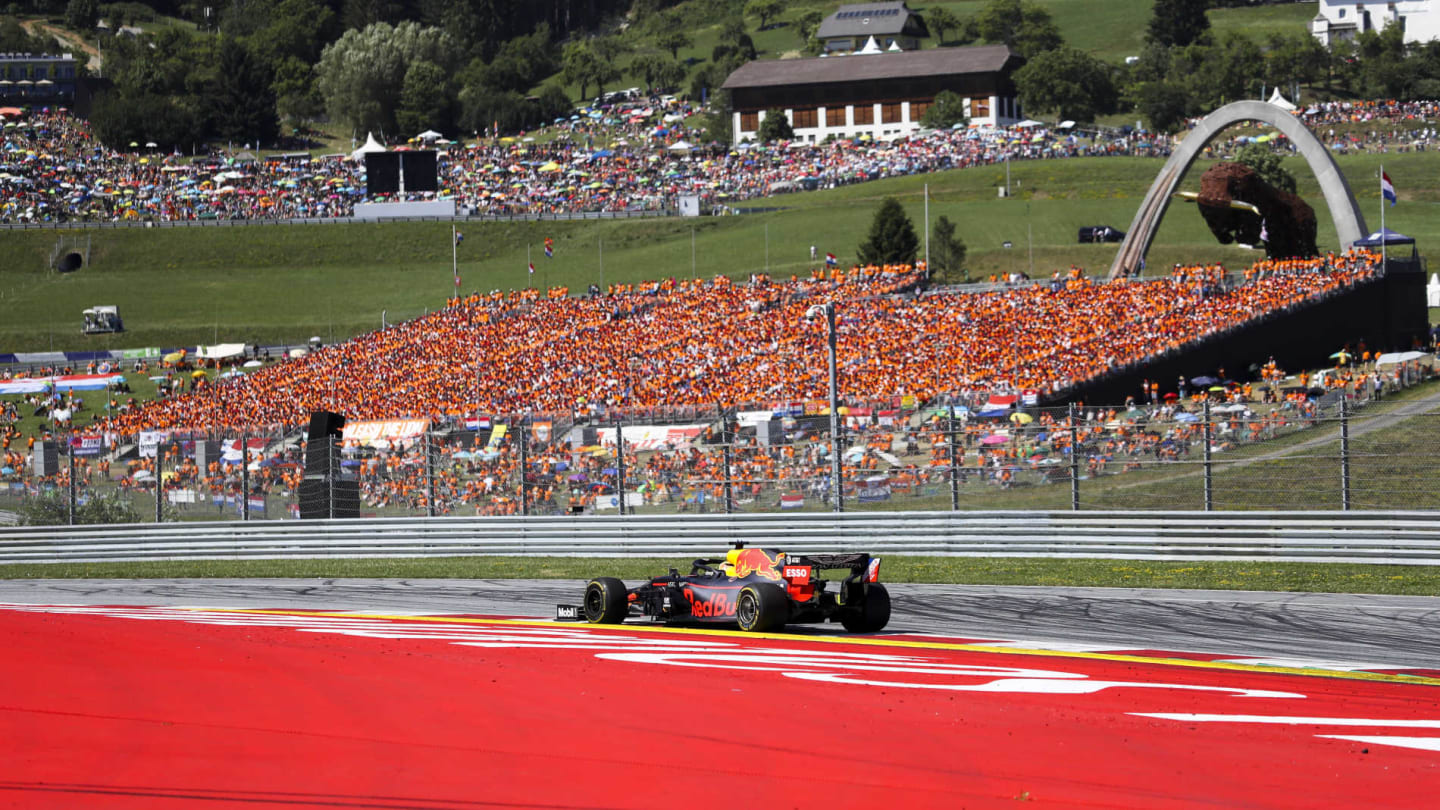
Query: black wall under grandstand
x,y
1388,314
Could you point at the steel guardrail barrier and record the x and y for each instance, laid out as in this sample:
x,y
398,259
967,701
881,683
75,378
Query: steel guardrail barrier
x,y
1406,538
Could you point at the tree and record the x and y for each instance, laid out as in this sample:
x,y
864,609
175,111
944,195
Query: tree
x,y
1268,165
807,24
766,10
82,15
1178,22
1068,82
583,65
241,99
775,127
362,74
1162,103
892,237
658,71
424,99
673,41
941,20
1026,27
947,110
947,253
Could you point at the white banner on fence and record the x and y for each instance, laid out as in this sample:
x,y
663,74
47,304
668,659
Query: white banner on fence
x,y
149,440
650,437
182,496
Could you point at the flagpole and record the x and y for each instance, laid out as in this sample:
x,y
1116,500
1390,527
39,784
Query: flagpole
x,y
927,230
454,259
529,264
1382,217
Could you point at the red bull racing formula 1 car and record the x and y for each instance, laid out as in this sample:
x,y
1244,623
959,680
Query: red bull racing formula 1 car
x,y
757,589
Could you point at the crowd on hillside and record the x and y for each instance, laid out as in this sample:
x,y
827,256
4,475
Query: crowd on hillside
x,y
715,341
52,169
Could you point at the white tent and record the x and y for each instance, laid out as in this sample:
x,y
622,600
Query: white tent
x,y
894,48
681,146
222,351
1390,358
1279,101
871,46
371,145
1432,292
1028,123
429,135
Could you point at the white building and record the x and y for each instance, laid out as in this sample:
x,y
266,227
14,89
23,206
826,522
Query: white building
x,y
882,95
1343,19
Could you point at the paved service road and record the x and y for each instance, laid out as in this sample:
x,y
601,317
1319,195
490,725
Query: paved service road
x,y
1373,631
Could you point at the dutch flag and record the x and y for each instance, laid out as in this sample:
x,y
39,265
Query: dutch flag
x,y
1387,189
549,251
831,260
532,268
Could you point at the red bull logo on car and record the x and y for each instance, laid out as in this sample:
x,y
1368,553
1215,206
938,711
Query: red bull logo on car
x,y
710,606
743,562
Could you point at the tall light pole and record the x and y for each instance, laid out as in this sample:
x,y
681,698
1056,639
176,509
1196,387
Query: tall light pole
x,y
828,311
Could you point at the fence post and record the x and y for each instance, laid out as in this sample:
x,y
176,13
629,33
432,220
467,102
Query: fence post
x,y
70,460
332,463
524,440
429,474
1074,460
244,475
1207,437
159,477
620,466
1344,454
725,437
954,467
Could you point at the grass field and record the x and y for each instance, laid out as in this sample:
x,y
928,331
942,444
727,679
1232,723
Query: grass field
x,y
281,283
1305,577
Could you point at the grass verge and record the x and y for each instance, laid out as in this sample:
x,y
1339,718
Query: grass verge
x,y
1239,576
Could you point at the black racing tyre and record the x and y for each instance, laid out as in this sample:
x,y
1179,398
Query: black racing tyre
x,y
872,615
606,601
761,608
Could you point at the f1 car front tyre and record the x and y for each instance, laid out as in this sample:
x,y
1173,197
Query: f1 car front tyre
x,y
871,615
606,601
762,608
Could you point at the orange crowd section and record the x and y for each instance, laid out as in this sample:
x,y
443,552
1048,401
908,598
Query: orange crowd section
x,y
730,343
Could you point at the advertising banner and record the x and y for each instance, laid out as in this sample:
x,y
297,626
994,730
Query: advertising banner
x,y
651,437
86,445
384,430
149,440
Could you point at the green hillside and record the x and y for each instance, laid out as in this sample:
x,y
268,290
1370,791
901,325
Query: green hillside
x,y
287,283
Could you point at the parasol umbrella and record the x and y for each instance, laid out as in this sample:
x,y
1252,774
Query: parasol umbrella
x,y
994,438
1219,388
197,374
1172,395
1186,417
1204,380
1021,418
253,364
1342,355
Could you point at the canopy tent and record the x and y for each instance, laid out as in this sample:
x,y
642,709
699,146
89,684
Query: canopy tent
x,y
222,351
871,46
1391,358
429,135
1279,101
681,146
1389,238
371,145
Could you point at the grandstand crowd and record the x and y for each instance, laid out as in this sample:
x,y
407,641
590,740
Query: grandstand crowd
x,y
52,169
689,350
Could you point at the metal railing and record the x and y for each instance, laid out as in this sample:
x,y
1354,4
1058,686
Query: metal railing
x,y
1409,538
561,216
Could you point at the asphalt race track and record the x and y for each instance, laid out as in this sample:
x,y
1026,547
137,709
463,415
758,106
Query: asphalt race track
x,y
461,695
1379,631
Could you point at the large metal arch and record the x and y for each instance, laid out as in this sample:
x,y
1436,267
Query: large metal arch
x,y
1344,210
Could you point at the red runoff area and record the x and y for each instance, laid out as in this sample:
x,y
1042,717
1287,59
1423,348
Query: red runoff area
x,y
100,712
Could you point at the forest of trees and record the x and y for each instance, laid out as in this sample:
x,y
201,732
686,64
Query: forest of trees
x,y
466,66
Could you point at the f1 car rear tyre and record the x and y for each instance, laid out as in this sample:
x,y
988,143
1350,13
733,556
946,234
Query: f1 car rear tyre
x,y
872,615
606,601
762,608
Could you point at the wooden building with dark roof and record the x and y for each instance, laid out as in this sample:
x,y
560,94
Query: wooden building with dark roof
x,y
882,95
892,24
